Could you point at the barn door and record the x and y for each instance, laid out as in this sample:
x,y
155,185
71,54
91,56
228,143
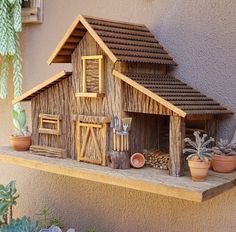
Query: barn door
x,y
92,142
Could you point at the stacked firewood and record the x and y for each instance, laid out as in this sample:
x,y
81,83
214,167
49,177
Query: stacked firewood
x,y
157,159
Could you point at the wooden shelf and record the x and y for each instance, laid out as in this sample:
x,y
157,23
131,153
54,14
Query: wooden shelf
x,y
146,179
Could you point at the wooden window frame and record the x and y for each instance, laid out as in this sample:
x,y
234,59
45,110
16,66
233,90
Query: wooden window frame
x,y
50,119
100,92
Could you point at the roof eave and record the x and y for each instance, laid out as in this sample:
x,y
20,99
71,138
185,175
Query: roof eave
x,y
157,98
82,20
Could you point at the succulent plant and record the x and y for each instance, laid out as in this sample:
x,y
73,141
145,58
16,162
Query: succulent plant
x,y
20,225
51,229
8,196
224,147
199,148
19,121
47,219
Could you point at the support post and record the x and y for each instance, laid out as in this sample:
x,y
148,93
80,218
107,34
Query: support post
x,y
176,137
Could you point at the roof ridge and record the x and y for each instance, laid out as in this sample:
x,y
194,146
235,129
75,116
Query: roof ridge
x,y
114,21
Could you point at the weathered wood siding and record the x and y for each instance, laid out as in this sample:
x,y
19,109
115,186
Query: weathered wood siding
x,y
136,101
59,99
110,105
148,132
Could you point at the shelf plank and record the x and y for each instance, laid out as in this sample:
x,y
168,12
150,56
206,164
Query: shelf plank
x,y
146,179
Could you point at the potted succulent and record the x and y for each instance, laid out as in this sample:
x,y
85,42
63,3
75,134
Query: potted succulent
x,y
21,139
199,156
224,156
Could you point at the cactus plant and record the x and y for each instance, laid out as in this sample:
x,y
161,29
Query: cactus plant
x,y
224,147
199,148
20,225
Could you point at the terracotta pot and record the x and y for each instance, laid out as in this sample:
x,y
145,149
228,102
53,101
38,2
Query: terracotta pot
x,y
224,164
198,169
137,160
20,143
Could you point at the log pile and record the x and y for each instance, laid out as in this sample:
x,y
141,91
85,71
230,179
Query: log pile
x,y
157,159
48,151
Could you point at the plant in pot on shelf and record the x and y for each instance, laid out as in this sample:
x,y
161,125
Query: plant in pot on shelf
x,y
21,139
224,156
199,156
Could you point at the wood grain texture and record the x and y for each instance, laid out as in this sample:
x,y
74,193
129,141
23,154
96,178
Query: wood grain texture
x,y
48,151
92,143
136,101
146,179
177,135
110,104
59,99
148,132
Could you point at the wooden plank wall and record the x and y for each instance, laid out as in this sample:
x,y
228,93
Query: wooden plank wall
x,y
110,105
135,101
59,99
147,132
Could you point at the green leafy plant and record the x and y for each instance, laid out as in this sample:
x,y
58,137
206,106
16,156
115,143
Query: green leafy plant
x,y
8,196
20,225
90,230
19,121
47,219
199,150
10,26
225,148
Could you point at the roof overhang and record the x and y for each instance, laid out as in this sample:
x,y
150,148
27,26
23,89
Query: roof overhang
x,y
71,39
27,96
149,93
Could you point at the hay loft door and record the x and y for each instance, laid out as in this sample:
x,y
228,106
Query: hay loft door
x,y
92,141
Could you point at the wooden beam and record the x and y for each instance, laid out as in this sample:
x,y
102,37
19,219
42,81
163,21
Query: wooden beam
x,y
177,135
42,85
98,39
149,93
96,57
92,95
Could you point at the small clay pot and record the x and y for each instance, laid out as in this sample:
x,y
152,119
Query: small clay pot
x,y
20,143
137,160
199,169
223,164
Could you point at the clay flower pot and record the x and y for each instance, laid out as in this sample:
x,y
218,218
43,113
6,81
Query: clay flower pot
x,y
137,160
20,143
198,169
223,164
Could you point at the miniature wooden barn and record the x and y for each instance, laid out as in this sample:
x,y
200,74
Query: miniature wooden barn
x,y
119,69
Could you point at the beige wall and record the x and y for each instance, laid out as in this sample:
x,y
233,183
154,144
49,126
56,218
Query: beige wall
x,y
200,36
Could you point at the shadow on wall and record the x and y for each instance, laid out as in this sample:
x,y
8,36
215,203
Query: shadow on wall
x,y
85,204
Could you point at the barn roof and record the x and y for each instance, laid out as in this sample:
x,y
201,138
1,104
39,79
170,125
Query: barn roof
x,y
127,42
42,86
173,94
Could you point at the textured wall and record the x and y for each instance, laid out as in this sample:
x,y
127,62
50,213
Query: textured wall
x,y
200,35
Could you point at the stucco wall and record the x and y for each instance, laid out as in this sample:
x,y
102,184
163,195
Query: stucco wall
x,y
200,36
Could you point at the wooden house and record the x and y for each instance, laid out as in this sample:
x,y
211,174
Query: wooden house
x,y
119,69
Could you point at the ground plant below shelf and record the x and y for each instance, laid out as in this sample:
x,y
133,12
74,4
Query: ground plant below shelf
x,y
47,221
